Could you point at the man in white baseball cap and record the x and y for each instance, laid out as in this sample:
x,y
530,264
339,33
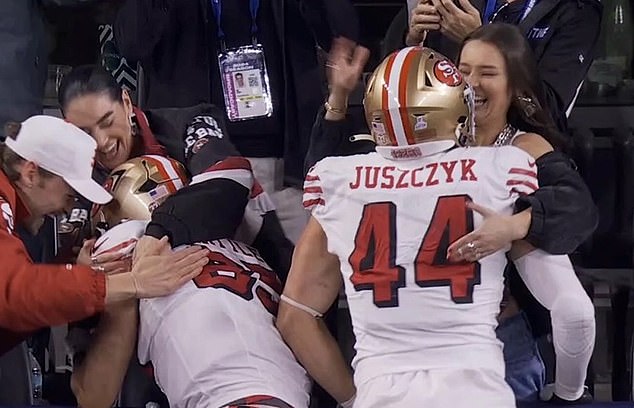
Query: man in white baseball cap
x,y
44,162
61,149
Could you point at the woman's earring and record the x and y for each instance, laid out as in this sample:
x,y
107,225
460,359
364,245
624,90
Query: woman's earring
x,y
527,105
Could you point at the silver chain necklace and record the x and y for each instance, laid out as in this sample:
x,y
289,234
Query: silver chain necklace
x,y
505,137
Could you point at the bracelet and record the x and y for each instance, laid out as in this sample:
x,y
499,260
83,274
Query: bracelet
x,y
330,108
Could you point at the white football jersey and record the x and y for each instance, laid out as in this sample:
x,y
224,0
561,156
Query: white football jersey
x,y
214,340
389,217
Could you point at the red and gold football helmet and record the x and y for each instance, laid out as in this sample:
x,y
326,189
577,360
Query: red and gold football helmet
x,y
417,95
138,186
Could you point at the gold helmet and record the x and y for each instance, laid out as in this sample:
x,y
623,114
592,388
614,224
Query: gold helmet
x,y
418,95
138,186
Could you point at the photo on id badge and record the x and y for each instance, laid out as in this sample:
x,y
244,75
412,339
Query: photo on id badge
x,y
249,93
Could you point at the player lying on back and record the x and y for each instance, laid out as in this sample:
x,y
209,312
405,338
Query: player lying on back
x,y
213,343
425,328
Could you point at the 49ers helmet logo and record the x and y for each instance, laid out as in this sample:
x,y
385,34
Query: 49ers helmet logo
x,y
447,73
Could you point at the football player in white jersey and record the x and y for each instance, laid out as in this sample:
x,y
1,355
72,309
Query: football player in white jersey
x,y
383,221
214,343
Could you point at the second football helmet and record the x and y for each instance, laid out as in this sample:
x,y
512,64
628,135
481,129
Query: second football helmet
x,y
416,95
138,186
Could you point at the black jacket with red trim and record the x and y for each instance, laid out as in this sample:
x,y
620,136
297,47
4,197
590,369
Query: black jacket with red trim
x,y
225,201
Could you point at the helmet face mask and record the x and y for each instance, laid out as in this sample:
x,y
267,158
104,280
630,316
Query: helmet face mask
x,y
417,95
138,186
466,131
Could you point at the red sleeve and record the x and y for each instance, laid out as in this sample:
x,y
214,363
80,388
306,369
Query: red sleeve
x,y
313,194
33,296
521,172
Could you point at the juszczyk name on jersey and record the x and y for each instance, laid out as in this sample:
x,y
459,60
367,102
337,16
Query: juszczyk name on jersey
x,y
391,177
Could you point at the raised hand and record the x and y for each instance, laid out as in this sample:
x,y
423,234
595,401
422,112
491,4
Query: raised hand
x,y
424,18
457,22
346,61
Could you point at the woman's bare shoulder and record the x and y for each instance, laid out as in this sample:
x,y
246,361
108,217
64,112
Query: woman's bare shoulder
x,y
533,144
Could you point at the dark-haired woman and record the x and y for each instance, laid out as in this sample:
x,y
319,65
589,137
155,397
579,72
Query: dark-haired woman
x,y
91,99
509,110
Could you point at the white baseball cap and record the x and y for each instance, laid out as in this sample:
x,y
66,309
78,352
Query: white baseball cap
x,y
62,149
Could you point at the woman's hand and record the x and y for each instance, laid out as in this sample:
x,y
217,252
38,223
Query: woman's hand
x,y
424,18
157,270
106,263
496,232
346,61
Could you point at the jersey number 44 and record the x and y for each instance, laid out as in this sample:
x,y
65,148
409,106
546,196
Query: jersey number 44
x,y
373,259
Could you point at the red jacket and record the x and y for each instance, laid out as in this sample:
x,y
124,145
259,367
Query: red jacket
x,y
34,296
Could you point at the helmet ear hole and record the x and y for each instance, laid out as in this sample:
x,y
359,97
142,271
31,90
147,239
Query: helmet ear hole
x,y
101,228
428,82
148,186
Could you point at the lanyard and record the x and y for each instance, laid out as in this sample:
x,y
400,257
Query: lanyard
x,y
216,7
490,13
